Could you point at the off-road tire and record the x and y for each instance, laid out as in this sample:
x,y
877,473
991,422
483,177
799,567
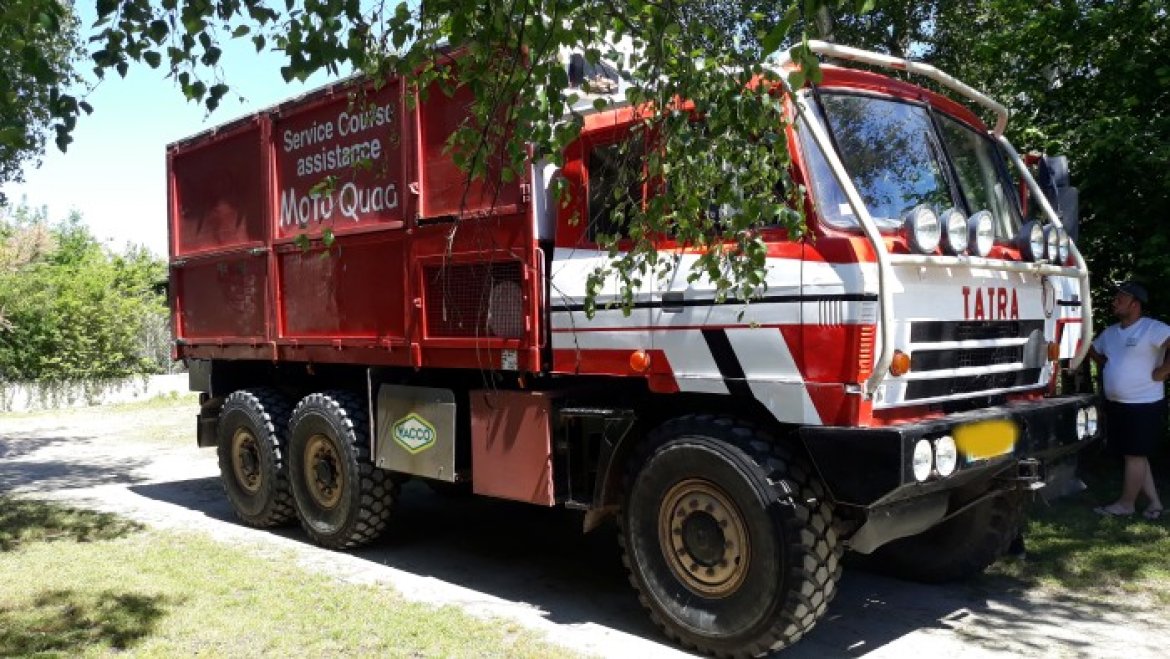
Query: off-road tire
x,y
357,510
252,449
793,553
960,547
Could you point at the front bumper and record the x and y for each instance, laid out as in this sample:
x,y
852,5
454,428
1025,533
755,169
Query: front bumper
x,y
871,467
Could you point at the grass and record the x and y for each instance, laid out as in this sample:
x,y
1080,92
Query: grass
x,y
1071,548
92,584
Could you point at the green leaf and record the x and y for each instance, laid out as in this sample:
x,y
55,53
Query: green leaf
x,y
152,58
158,31
106,7
771,43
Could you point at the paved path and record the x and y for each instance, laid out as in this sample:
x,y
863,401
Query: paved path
x,y
532,565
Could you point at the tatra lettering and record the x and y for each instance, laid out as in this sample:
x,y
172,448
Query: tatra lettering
x,y
991,303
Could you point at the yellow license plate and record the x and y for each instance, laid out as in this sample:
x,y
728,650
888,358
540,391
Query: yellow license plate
x,y
986,439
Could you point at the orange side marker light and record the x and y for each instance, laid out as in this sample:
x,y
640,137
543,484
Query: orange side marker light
x,y
639,361
899,363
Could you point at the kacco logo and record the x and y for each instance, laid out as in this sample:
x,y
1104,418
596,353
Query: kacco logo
x,y
413,433
990,303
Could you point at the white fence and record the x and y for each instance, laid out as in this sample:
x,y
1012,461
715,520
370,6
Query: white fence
x,y
33,396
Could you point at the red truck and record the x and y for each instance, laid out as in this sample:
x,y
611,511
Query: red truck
x,y
891,393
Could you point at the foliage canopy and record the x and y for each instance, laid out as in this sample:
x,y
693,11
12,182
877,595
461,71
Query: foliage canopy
x,y
512,57
70,308
38,45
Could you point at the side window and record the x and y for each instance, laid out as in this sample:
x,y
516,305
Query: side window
x,y
615,187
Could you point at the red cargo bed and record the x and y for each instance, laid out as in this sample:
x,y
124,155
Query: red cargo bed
x,y
394,288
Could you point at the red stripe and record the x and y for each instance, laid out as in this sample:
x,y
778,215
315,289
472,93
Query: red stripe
x,y
663,328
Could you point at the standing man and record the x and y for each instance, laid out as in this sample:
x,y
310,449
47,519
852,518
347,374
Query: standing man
x,y
1132,358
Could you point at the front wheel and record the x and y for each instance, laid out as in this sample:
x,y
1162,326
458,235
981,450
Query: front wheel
x,y
728,537
342,500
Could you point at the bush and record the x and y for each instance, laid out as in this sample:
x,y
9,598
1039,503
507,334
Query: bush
x,y
72,309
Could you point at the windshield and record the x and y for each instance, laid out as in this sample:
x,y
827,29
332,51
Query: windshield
x,y
980,178
896,160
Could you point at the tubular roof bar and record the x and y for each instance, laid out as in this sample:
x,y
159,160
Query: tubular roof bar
x,y
901,64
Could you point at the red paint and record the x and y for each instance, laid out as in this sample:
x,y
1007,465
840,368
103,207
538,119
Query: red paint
x,y
511,447
240,198
358,143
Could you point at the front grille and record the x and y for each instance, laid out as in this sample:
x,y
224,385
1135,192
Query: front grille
x,y
936,331
1007,349
937,360
964,386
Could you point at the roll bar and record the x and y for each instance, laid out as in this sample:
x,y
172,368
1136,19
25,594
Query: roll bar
x,y
886,261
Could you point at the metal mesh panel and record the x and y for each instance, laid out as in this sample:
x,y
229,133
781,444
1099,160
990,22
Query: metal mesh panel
x,y
474,300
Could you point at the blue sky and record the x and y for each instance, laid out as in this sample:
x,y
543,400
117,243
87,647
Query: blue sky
x,y
114,173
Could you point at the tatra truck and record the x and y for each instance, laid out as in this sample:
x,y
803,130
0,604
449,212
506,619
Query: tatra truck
x,y
893,390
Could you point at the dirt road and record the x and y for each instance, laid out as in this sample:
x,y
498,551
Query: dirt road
x,y
532,565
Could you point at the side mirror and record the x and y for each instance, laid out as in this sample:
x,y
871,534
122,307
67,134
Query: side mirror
x,y
1052,176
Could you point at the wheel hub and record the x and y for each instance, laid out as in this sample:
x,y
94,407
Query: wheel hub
x,y
704,538
323,472
246,461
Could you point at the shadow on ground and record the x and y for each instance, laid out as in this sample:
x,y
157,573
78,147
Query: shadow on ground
x,y
539,556
44,461
23,521
68,623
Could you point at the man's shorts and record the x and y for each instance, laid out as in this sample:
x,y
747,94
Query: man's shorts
x,y
1135,428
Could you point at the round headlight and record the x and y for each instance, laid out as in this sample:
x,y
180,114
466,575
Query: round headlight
x,y
955,236
1091,419
1082,423
923,460
1052,243
981,233
1032,242
924,229
946,455
1065,248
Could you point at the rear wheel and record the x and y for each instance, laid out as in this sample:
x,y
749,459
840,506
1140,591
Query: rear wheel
x,y
728,538
342,500
962,546
252,456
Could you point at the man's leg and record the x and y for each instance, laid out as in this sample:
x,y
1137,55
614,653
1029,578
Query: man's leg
x,y
1150,489
1137,469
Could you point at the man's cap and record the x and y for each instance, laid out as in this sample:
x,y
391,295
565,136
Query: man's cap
x,y
1135,289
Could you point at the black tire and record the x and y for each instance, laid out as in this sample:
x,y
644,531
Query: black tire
x,y
342,500
753,560
960,547
252,452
